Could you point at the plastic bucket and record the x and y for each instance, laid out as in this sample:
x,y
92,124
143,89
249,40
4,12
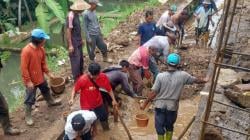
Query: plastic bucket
x,y
141,120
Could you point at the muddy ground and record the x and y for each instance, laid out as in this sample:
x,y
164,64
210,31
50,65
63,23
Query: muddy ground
x,y
196,61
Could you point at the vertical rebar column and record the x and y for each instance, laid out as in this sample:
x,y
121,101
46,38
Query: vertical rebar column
x,y
237,30
215,71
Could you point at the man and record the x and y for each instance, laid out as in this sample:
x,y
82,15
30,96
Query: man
x,y
147,29
74,37
93,33
179,20
33,68
212,5
203,16
79,125
118,76
89,85
164,19
4,115
138,61
166,92
162,44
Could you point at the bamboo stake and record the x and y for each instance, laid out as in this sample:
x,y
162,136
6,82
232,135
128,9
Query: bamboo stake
x,y
19,13
125,127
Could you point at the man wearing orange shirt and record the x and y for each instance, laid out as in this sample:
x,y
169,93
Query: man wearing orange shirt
x,y
33,68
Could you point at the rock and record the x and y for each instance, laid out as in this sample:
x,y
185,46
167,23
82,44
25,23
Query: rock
x,y
227,77
242,87
123,40
239,98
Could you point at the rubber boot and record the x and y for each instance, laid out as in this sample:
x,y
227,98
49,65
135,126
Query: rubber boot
x,y
105,125
51,101
12,131
28,117
168,135
160,137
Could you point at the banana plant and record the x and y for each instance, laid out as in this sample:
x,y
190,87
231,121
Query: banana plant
x,y
51,15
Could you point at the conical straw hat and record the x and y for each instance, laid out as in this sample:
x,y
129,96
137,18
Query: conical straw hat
x,y
162,1
79,5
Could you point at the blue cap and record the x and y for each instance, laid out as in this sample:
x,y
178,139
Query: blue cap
x,y
78,122
39,33
173,59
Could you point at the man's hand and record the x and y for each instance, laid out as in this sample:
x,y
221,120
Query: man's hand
x,y
143,105
115,104
71,101
51,76
30,85
147,74
71,49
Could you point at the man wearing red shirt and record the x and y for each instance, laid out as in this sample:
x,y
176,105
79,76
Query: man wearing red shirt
x,y
89,85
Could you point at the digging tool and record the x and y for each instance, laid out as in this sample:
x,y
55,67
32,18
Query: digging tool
x,y
124,125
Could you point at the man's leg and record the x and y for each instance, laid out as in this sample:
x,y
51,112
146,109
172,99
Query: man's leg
x,y
136,79
30,99
47,95
91,48
170,120
75,60
160,122
103,48
81,60
153,66
102,115
5,119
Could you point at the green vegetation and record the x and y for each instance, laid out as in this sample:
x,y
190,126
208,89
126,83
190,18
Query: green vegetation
x,y
108,24
52,61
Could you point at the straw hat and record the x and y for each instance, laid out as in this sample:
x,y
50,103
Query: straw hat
x,y
162,1
206,2
79,5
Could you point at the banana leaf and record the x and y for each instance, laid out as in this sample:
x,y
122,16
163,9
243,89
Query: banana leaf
x,y
57,9
56,28
42,16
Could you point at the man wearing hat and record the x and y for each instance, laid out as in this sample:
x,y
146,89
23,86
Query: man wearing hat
x,y
164,19
4,115
93,33
79,125
74,37
33,68
203,15
166,93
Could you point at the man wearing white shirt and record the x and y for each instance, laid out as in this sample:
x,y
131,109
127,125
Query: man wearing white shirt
x,y
79,125
203,16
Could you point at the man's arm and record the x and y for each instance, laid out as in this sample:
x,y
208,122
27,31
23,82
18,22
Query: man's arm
x,y
125,85
139,33
25,60
150,98
69,31
85,27
75,90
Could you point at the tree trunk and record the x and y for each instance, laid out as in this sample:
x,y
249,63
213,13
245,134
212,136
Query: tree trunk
x,y
28,12
19,14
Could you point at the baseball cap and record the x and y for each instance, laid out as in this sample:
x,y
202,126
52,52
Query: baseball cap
x,y
39,33
78,122
97,2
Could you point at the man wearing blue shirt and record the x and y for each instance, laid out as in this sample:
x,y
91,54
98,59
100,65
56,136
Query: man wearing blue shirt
x,y
147,29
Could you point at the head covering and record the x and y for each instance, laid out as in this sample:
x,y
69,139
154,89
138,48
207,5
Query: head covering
x,y
97,2
78,122
173,59
39,33
173,8
79,5
206,2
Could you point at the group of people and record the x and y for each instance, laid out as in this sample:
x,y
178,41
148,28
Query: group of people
x,y
96,86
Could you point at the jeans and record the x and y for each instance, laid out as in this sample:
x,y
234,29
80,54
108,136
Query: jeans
x,y
30,97
153,66
136,79
101,113
97,40
164,120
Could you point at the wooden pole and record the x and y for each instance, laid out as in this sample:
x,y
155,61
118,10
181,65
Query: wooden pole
x,y
28,12
19,13
125,127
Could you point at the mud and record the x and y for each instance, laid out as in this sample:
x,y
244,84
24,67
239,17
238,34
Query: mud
x,y
195,60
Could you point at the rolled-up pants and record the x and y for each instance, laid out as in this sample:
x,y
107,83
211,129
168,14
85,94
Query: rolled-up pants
x,y
136,78
97,40
76,61
4,113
